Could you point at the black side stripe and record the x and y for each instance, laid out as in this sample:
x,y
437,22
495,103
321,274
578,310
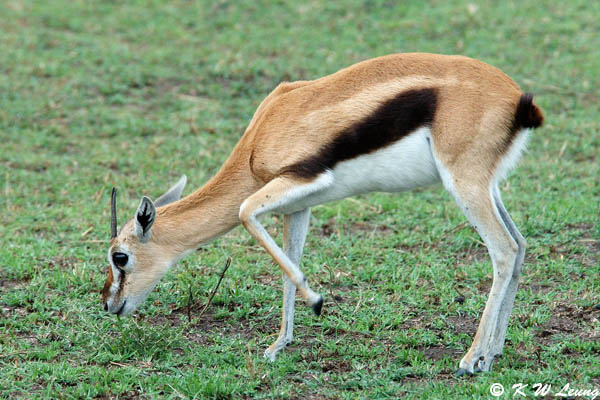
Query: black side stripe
x,y
393,120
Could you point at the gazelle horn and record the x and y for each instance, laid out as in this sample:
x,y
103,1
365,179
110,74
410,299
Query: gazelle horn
x,y
113,214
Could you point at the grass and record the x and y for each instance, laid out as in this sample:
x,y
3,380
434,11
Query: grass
x,y
133,94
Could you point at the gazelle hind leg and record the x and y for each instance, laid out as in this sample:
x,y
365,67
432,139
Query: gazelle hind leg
x,y
475,200
509,299
295,227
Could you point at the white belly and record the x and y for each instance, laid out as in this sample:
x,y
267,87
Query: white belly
x,y
404,165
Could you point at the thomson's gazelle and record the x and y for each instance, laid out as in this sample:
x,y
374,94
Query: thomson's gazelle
x,y
388,124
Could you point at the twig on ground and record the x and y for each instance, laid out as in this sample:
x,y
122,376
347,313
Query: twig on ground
x,y
456,229
359,301
118,364
227,264
189,305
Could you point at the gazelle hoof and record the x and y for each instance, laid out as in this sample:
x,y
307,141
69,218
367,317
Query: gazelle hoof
x,y
270,355
462,371
318,306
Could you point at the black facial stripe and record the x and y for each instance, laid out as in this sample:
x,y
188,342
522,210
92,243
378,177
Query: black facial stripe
x,y
121,281
121,309
393,120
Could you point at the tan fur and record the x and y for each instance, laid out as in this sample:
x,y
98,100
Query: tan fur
x,y
475,109
474,97
299,118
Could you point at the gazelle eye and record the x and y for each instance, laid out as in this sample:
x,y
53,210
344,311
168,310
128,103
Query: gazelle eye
x,y
120,259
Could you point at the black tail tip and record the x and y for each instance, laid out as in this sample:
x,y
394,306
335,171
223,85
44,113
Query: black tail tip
x,y
318,306
528,114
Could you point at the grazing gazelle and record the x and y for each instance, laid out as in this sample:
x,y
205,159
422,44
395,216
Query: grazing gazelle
x,y
388,124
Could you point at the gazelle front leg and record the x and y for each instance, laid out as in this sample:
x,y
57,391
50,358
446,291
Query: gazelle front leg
x,y
282,194
295,227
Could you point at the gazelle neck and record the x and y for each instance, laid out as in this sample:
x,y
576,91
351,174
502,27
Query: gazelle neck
x,y
209,212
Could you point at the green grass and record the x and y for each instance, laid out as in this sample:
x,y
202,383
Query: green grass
x,y
135,93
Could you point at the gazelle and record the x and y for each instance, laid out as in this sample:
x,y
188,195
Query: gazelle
x,y
388,124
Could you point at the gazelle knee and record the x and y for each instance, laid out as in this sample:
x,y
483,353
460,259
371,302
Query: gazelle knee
x,y
246,213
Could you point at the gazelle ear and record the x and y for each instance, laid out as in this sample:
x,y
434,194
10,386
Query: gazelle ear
x,y
144,218
173,194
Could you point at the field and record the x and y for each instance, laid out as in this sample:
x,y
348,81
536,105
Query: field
x,y
135,93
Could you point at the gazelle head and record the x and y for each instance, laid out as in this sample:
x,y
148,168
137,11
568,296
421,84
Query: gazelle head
x,y
137,256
